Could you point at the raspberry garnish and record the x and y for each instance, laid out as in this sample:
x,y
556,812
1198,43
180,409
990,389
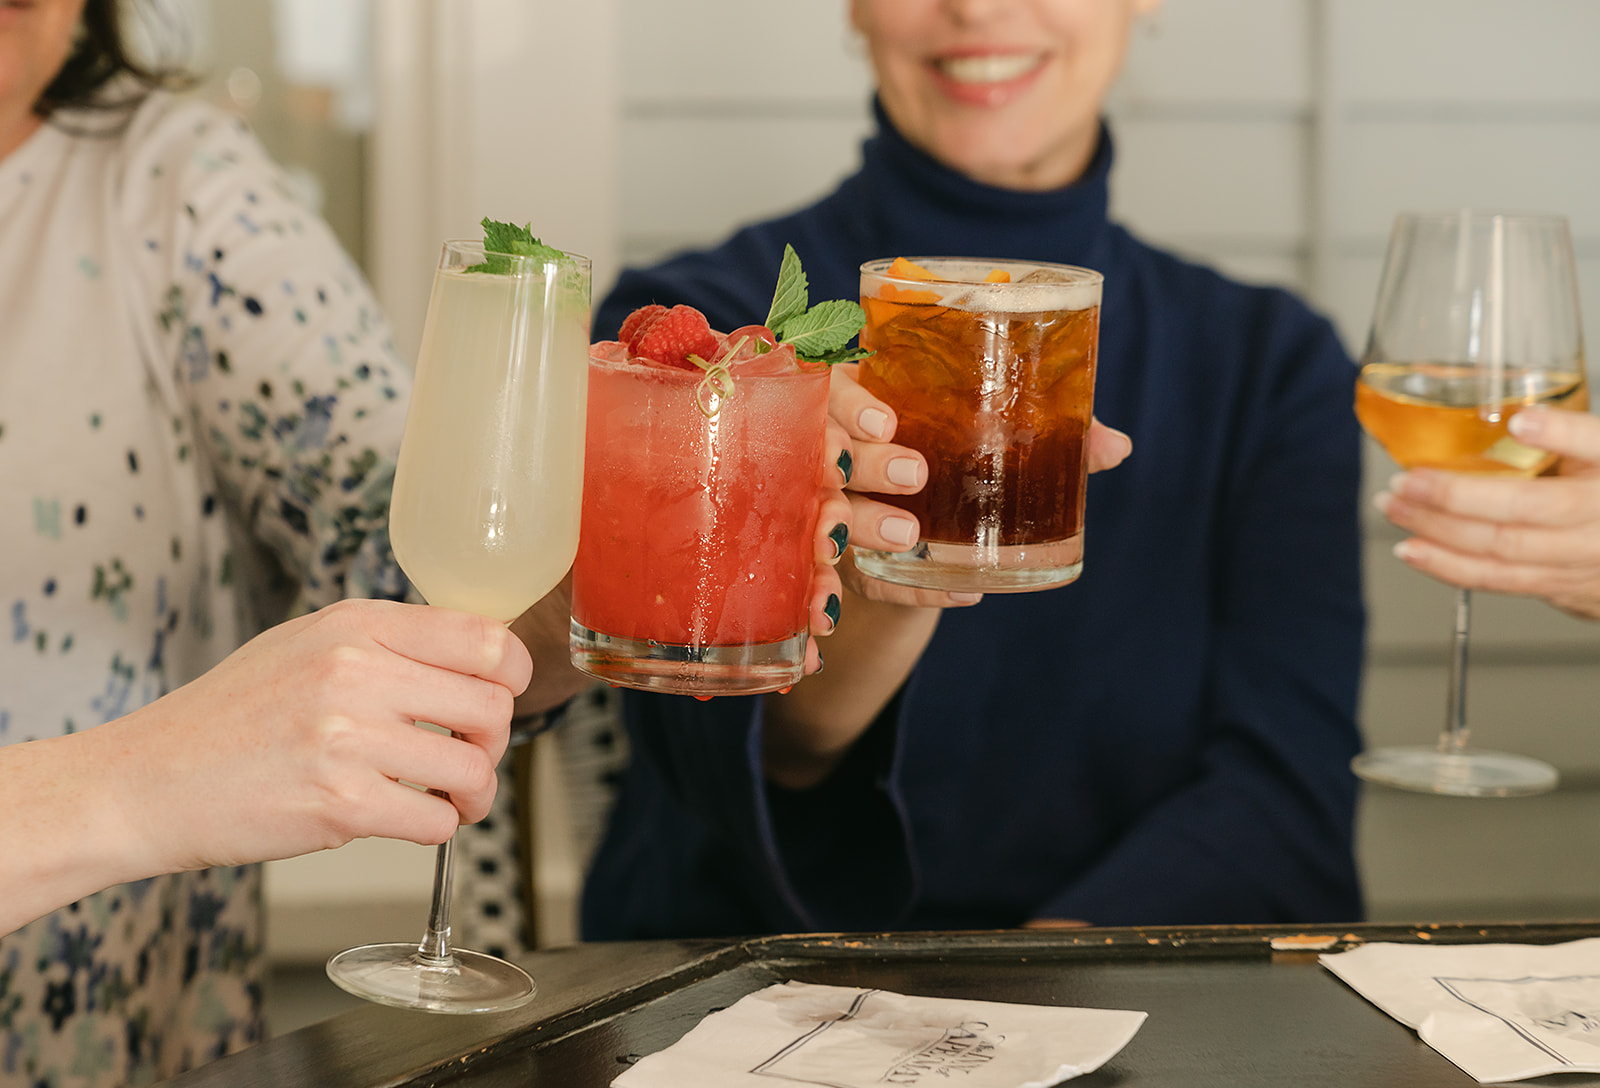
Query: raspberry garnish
x,y
674,336
638,321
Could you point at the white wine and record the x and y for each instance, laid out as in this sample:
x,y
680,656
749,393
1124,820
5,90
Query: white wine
x,y
486,494
1428,415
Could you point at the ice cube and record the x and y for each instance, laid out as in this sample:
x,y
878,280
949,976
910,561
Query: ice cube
x,y
1048,275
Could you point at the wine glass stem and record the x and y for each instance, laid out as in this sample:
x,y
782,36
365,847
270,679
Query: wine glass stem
x,y
1453,741
435,946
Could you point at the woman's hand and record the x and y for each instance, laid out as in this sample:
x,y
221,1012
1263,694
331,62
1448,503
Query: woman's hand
x,y
885,627
304,738
1535,537
882,467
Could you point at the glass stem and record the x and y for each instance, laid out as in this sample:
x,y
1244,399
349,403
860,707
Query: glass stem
x,y
1453,741
435,947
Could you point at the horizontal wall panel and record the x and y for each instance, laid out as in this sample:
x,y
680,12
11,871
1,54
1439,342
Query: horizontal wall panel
x,y
1239,180
1411,613
740,51
1527,165
1550,712
1478,859
1452,51
1196,53
679,181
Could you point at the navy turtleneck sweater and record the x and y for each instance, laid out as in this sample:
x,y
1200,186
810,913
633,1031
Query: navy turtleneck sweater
x,y
1165,740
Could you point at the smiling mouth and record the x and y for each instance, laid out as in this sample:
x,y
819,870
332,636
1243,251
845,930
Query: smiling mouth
x,y
988,67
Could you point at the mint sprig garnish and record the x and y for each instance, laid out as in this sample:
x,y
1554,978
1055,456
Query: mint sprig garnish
x,y
501,239
820,333
792,295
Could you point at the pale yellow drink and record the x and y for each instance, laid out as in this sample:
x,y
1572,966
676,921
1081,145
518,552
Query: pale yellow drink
x,y
488,485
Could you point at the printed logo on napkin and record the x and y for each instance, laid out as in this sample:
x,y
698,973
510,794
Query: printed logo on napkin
x,y
1502,1012
845,1037
880,1051
1557,1015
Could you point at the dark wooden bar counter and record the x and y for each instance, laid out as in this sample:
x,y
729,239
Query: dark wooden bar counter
x,y
1234,1007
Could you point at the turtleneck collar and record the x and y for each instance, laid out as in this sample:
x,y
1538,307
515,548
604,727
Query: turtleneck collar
x,y
925,207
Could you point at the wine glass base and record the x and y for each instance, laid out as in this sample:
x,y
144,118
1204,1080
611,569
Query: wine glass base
x,y
398,975
1472,773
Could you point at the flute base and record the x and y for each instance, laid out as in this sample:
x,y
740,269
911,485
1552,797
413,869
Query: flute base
x,y
1469,773
462,982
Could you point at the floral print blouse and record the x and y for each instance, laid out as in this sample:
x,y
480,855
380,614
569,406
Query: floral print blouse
x,y
199,411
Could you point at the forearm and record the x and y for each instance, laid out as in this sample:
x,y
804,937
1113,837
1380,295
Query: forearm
x,y
545,629
869,657
64,836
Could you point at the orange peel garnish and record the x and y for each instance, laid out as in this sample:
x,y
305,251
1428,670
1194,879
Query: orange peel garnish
x,y
903,269
906,295
998,275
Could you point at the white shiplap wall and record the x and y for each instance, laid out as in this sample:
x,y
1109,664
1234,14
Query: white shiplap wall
x,y
1275,139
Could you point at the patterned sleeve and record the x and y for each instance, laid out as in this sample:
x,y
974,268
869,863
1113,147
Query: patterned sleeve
x,y
278,350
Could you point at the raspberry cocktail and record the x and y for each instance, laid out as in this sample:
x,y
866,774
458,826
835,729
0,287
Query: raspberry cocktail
x,y
701,490
989,366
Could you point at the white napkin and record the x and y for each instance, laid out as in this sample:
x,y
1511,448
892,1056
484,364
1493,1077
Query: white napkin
x,y
844,1037
1500,1011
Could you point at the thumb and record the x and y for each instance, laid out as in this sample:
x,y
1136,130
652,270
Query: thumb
x,y
1107,446
1574,435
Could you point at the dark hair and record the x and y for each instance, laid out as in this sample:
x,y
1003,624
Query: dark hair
x,y
101,58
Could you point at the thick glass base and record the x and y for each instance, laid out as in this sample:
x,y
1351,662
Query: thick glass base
x,y
746,669
399,975
1471,773
977,568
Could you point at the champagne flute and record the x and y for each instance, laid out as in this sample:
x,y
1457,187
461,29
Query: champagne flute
x,y
1477,316
484,518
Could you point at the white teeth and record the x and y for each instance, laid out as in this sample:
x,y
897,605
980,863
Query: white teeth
x,y
989,68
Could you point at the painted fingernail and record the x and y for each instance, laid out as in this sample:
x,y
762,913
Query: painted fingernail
x,y
904,471
831,610
901,531
847,464
1406,551
840,535
819,663
873,421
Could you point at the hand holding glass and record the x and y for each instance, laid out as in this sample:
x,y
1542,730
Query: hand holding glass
x,y
484,518
1477,316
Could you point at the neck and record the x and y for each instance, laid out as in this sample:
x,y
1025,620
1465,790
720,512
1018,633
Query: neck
x,y
16,127
1058,168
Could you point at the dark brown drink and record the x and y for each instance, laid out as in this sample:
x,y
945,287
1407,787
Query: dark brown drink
x,y
993,382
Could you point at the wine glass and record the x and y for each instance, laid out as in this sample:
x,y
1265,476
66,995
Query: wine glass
x,y
1477,316
484,518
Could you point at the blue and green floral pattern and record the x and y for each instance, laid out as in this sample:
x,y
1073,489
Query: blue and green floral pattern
x,y
199,411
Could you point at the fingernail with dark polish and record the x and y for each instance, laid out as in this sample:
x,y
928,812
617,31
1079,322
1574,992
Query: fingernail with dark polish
x,y
840,537
831,610
819,664
847,464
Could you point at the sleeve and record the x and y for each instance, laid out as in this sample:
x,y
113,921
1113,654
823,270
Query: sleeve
x,y
1263,832
286,366
831,858
731,285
